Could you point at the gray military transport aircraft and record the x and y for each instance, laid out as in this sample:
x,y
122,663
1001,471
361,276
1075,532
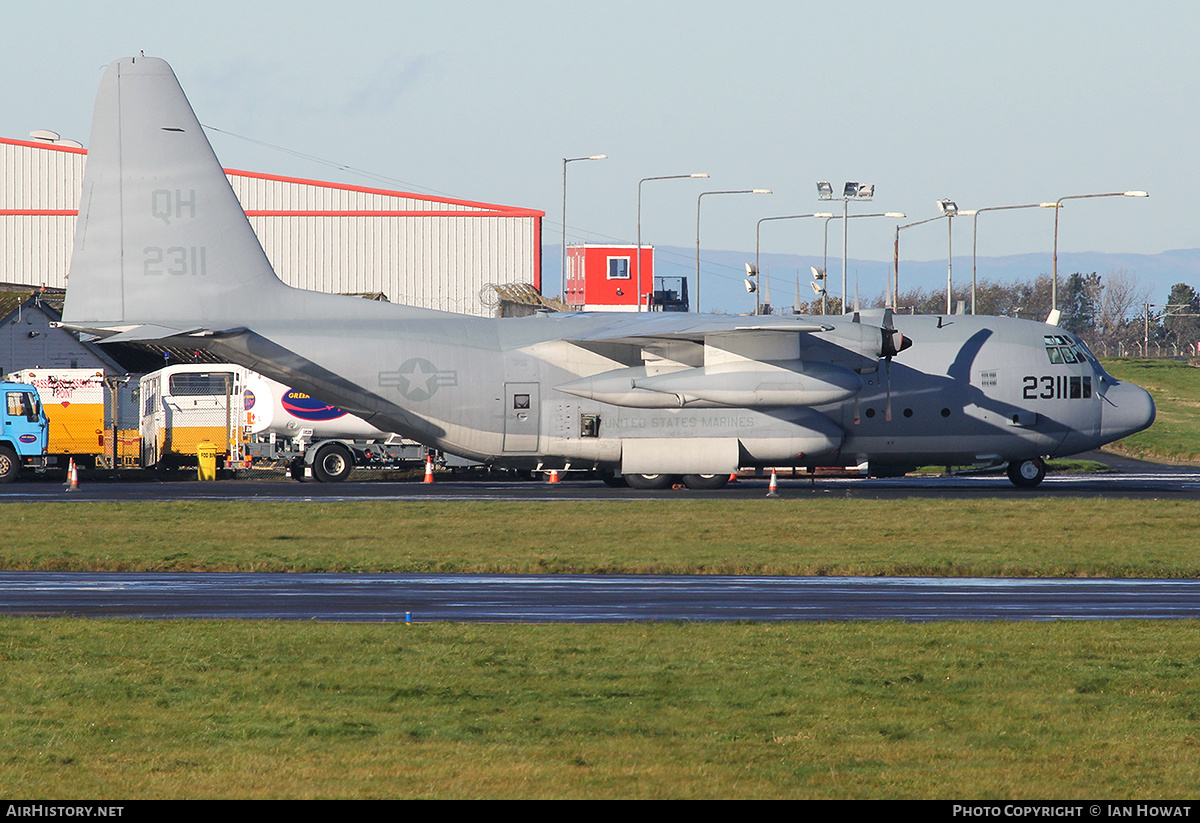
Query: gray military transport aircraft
x,y
164,254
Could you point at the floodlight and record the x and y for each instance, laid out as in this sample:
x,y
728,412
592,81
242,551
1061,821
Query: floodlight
x,y
948,207
824,190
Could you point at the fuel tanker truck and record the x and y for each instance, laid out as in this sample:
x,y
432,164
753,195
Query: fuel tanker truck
x,y
314,438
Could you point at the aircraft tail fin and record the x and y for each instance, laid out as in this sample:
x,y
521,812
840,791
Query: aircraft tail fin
x,y
161,238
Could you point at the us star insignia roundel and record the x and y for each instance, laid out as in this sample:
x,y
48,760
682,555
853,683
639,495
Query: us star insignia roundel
x,y
418,379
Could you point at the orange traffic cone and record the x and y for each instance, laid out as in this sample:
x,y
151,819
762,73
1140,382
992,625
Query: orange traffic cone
x,y
73,477
771,492
429,468
70,471
553,476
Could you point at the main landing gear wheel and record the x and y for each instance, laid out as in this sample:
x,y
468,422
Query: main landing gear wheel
x,y
705,482
649,482
1025,474
333,463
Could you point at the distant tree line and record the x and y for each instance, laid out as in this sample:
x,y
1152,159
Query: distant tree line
x,y
1113,313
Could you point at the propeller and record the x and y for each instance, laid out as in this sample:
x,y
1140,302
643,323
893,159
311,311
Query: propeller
x,y
893,343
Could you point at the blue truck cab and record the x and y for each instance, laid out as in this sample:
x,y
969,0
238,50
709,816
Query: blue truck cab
x,y
23,435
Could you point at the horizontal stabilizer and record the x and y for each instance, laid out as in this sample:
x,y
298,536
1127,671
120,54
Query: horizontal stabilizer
x,y
147,333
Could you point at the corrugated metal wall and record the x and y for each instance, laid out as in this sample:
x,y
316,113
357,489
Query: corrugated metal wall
x,y
39,194
423,251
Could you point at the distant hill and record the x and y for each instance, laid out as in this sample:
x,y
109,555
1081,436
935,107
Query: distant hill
x,y
724,271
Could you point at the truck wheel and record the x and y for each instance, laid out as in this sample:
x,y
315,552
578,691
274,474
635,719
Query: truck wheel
x,y
296,469
705,482
646,482
10,466
333,463
1025,474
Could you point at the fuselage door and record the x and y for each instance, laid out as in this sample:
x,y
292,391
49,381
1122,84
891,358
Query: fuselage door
x,y
521,404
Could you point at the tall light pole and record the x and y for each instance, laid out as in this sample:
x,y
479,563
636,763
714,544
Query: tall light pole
x,y
1057,207
642,295
850,191
896,258
562,284
974,215
757,231
950,209
825,251
704,194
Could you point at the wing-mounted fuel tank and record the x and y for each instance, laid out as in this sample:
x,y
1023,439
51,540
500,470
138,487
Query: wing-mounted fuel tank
x,y
749,385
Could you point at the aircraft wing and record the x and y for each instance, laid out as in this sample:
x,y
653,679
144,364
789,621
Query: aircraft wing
x,y
757,338
732,361
691,327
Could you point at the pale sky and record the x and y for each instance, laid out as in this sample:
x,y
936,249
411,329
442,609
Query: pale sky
x,y
985,103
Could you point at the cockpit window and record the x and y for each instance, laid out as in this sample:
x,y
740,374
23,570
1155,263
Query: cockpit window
x,y
1062,349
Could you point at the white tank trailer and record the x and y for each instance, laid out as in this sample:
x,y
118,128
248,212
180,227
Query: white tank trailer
x,y
315,438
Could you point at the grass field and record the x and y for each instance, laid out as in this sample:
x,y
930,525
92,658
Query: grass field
x,y
179,709
1022,537
1175,386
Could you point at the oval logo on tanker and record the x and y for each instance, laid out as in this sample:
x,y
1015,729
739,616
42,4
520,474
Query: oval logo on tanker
x,y
248,400
298,404
28,438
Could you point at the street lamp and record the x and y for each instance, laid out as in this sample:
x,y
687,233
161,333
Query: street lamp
x,y
896,258
850,191
642,295
825,248
974,215
758,229
562,293
698,200
1057,206
950,209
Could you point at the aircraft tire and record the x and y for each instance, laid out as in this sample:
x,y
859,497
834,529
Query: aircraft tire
x,y
1025,474
333,463
649,482
705,482
10,466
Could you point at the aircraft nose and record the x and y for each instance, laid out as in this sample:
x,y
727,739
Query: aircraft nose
x,y
1127,409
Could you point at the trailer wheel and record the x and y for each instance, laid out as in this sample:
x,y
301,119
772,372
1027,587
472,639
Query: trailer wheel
x,y
333,463
296,469
10,466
